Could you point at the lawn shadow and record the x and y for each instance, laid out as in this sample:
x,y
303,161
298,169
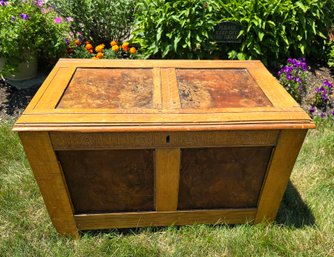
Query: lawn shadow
x,y
293,211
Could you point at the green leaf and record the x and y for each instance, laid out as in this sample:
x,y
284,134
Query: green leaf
x,y
167,50
322,35
302,6
313,28
302,48
260,35
176,41
159,32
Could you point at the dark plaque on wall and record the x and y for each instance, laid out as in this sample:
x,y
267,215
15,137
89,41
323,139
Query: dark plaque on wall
x,y
227,32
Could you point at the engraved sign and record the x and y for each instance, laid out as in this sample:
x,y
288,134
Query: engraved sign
x,y
227,32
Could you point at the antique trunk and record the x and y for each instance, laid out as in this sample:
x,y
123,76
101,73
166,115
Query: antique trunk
x,y
117,144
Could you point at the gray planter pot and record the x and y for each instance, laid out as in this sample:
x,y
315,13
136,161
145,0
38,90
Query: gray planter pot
x,y
25,70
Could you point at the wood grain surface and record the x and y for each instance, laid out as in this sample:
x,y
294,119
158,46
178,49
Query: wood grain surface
x,y
144,219
283,160
109,180
216,178
49,177
219,88
167,174
109,88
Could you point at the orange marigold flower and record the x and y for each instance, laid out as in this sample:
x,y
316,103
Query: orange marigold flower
x,y
113,43
87,42
89,47
133,50
77,42
115,48
125,46
95,58
99,48
90,51
99,55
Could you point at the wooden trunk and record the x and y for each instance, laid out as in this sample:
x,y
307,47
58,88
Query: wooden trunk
x,y
116,144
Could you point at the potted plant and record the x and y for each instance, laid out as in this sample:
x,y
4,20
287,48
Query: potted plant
x,y
29,30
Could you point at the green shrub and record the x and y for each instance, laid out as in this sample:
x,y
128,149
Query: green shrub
x,y
98,20
176,28
331,55
273,30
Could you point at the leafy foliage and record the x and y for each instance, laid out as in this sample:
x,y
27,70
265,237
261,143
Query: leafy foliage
x,y
28,26
331,55
98,20
273,30
176,29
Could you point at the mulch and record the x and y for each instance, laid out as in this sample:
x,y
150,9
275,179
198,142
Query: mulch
x,y
13,101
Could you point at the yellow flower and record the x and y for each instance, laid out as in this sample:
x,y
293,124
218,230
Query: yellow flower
x,y
113,43
99,55
115,48
125,46
133,50
99,48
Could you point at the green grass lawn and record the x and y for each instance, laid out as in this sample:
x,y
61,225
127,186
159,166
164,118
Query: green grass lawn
x,y
304,226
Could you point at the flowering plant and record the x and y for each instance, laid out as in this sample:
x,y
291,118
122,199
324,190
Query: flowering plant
x,y
293,77
317,99
27,28
115,51
323,105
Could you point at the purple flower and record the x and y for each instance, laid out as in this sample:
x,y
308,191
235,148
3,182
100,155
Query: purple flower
x,y
2,3
298,80
13,18
58,20
24,16
289,77
322,114
69,19
333,112
312,109
327,83
304,67
39,3
67,41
